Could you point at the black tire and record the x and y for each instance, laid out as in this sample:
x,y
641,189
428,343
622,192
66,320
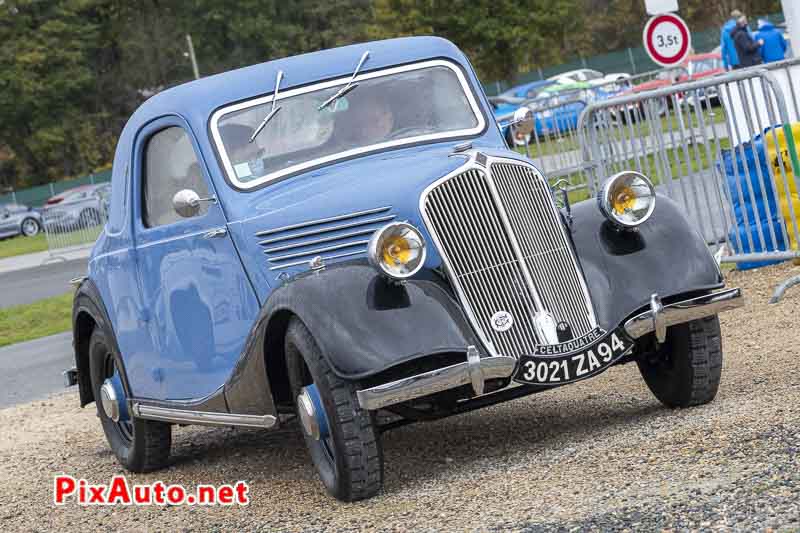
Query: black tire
x,y
27,226
350,462
139,445
686,369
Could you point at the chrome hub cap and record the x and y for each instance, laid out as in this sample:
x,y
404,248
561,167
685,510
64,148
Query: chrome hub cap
x,y
307,414
312,414
109,400
29,228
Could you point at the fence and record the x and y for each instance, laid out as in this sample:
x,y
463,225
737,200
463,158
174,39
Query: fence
x,y
37,196
722,148
76,222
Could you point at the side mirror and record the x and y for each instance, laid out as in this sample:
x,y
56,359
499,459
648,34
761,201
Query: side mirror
x,y
187,202
522,125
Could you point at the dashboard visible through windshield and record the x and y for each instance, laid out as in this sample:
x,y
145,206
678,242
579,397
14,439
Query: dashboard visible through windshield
x,y
392,107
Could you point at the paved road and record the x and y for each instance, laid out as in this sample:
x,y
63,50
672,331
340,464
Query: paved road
x,y
32,284
32,370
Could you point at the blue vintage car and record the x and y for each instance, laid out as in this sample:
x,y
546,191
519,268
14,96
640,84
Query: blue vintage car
x,y
343,239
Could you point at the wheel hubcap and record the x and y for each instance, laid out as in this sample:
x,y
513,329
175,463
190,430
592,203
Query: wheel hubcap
x,y
112,399
29,228
311,414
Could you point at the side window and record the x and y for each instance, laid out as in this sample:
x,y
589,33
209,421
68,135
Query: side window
x,y
170,165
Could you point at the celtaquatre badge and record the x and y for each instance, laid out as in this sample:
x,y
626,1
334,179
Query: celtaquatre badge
x,y
502,321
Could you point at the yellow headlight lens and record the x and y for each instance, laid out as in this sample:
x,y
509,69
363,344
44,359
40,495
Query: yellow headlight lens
x,y
627,199
397,250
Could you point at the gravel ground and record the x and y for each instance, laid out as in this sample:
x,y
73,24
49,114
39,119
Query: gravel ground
x,y
599,455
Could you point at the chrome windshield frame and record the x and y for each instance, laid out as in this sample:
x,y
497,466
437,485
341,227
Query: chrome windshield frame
x,y
278,174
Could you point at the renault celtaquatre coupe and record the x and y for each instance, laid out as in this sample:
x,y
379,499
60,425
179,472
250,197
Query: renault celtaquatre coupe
x,y
344,239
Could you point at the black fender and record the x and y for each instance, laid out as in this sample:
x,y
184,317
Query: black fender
x,y
89,312
664,255
365,324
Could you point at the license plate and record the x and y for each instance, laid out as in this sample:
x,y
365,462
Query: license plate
x,y
562,363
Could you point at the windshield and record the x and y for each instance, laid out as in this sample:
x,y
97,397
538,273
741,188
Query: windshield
x,y
387,108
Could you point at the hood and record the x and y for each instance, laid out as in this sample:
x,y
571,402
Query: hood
x,y
766,26
347,201
728,26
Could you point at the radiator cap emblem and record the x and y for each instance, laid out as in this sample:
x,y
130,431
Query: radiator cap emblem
x,y
502,321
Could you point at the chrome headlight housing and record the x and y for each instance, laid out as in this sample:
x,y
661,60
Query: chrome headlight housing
x,y
627,199
397,250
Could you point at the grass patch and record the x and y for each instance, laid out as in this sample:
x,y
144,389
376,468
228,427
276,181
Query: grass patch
x,y
21,245
32,321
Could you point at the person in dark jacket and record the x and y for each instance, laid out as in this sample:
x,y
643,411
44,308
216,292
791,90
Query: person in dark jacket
x,y
747,48
774,48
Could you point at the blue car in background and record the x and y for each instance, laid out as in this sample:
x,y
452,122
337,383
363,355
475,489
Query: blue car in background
x,y
509,101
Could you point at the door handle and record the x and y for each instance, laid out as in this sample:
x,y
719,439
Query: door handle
x,y
215,233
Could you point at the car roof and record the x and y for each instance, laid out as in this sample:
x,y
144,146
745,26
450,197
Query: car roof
x,y
197,100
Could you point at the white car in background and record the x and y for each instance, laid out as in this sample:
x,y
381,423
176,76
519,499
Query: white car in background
x,y
594,77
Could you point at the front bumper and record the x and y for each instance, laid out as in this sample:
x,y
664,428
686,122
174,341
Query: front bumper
x,y
476,370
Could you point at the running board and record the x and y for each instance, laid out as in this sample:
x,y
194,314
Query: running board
x,y
206,418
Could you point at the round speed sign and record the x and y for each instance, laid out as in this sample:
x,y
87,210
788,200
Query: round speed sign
x,y
667,39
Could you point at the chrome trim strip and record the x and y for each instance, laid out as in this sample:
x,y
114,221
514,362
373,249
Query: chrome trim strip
x,y
685,311
326,258
377,220
318,251
215,118
323,221
320,241
181,416
435,381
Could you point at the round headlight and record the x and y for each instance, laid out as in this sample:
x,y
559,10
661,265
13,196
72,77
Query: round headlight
x,y
627,199
397,250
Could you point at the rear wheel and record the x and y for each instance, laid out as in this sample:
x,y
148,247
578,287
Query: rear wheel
x,y
341,437
139,445
686,369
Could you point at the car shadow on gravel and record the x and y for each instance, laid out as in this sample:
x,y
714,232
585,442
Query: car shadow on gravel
x,y
421,452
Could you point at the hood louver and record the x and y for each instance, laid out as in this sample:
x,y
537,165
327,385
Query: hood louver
x,y
330,238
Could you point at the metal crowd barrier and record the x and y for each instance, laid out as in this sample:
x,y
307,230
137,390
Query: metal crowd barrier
x,y
71,227
702,150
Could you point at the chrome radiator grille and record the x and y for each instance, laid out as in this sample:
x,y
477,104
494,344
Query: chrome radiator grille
x,y
505,246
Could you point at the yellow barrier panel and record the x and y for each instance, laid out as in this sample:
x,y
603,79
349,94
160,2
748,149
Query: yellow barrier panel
x,y
775,159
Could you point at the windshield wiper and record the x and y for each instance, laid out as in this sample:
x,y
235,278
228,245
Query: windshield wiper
x,y
347,88
274,109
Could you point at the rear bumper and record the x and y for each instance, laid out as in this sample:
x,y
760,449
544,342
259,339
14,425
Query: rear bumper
x,y
477,370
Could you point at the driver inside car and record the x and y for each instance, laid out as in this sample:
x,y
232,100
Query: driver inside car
x,y
367,120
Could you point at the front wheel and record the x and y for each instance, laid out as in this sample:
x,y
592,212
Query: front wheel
x,y
139,445
342,438
685,370
30,227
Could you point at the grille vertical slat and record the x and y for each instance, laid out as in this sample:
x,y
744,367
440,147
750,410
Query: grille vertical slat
x,y
507,250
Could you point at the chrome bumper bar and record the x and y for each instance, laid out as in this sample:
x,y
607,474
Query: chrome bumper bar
x,y
660,317
477,370
449,377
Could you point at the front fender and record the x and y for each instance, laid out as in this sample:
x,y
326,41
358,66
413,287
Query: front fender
x,y
623,268
364,324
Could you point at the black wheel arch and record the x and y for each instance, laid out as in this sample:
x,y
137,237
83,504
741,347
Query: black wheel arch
x,y
88,313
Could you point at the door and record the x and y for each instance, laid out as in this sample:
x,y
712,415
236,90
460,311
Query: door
x,y
198,300
8,223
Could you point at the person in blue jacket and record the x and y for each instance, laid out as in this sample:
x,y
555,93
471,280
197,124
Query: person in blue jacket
x,y
774,48
730,58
